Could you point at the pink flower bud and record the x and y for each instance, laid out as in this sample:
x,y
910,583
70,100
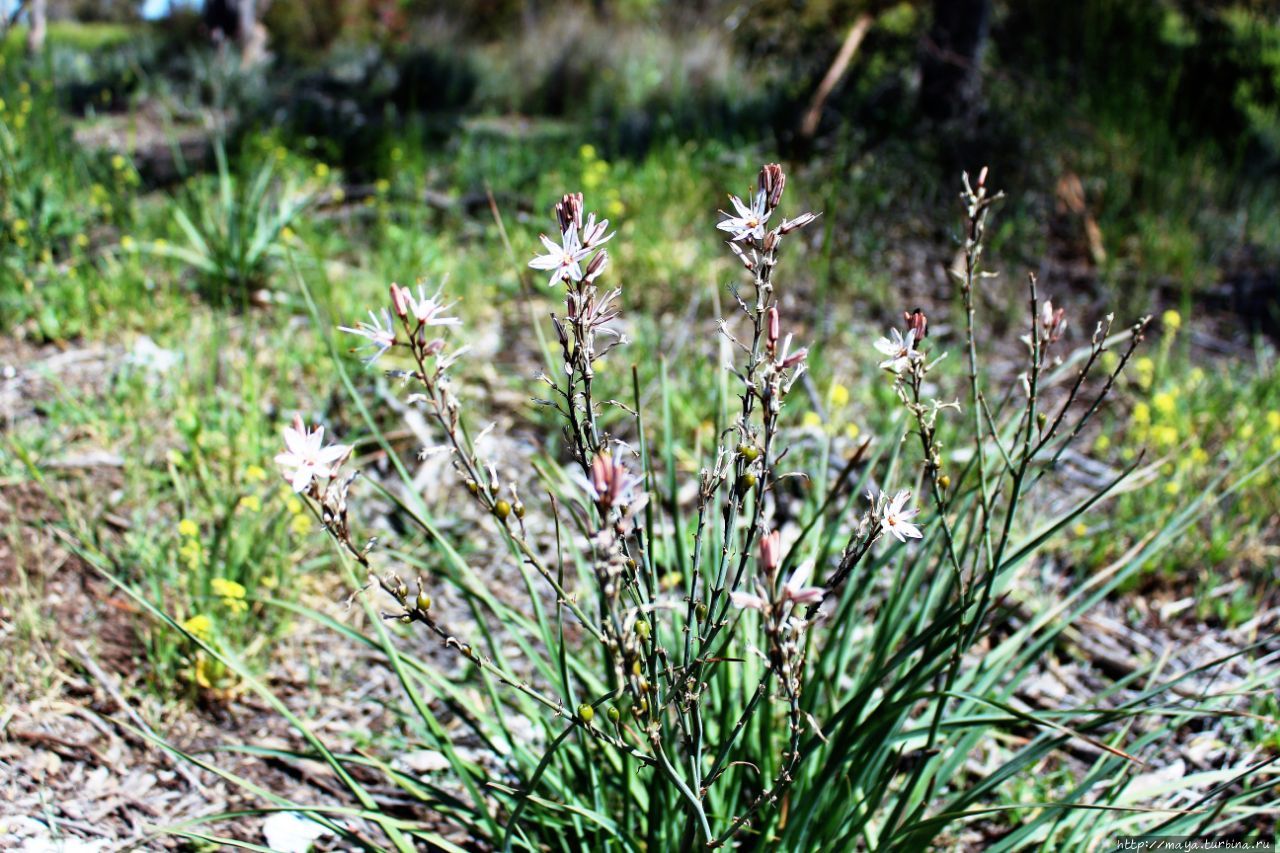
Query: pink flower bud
x,y
982,178
917,322
400,300
771,551
775,328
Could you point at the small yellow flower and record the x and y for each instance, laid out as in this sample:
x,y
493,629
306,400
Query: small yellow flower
x,y
382,186
1172,320
587,152
1273,420
1102,442
615,208
117,162
189,528
286,234
252,503
1164,436
199,625
255,474
19,226
852,431
160,244
812,420
322,170
838,395
338,195
300,525
1199,455
1246,431
1172,487
1195,377
224,588
1164,403
1079,530
293,505
1141,414
1146,369
173,457
1275,444
128,243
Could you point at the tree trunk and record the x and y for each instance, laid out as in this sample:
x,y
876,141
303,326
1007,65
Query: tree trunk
x,y
951,69
35,33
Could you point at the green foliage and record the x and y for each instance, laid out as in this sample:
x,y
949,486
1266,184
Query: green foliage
x,y
231,227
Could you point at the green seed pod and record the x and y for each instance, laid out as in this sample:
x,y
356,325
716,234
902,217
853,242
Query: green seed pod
x,y
746,482
749,452
1041,420
613,714
636,669
473,487
944,482
642,629
700,612
502,509
586,713
518,509
424,601
643,685
466,650
631,564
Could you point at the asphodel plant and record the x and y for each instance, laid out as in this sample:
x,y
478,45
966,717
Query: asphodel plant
x,y
723,662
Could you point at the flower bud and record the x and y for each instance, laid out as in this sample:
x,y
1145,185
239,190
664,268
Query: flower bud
x,y
399,300
424,600
774,329
586,713
918,323
771,550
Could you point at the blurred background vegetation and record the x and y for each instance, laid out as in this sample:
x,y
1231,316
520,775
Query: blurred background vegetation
x,y
171,172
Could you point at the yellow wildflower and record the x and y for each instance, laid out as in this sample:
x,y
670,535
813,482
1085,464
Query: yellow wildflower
x,y
286,234
300,525
615,207
255,474
812,420
1172,487
1199,455
322,170
1080,529
1141,414
1146,370
1102,442
293,505
1164,436
19,225
1164,403
587,152
852,431
128,243
199,625
1172,320
1246,431
1273,420
382,186
187,527
231,593
117,162
1195,377
838,395
252,503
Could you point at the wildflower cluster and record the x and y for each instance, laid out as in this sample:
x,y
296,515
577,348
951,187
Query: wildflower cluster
x,y
654,645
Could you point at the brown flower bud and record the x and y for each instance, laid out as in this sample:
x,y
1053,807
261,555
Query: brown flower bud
x,y
917,322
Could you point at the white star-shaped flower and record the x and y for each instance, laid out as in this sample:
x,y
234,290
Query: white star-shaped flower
x,y
749,223
901,350
563,259
380,333
897,518
427,310
305,457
